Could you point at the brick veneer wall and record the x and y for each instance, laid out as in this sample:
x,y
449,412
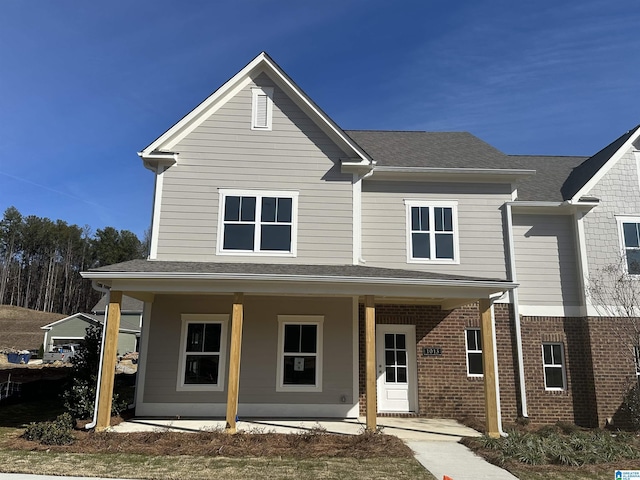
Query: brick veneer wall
x,y
576,403
598,369
444,389
613,367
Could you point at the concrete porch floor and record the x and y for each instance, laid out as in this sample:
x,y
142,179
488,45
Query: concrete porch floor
x,y
408,429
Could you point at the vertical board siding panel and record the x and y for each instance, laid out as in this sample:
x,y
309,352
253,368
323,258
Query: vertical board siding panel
x,y
546,260
223,152
481,238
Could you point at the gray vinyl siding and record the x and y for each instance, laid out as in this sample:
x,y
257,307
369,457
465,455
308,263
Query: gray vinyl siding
x,y
259,348
619,194
74,327
480,225
223,152
546,260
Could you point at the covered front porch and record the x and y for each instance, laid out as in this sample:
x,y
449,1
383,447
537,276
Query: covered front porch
x,y
258,298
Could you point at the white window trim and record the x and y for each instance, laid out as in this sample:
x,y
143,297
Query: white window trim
x,y
188,318
468,351
255,92
453,204
622,219
283,320
563,366
258,194
636,359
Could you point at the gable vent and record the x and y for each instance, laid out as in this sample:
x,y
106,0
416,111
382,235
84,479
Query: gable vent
x,y
262,107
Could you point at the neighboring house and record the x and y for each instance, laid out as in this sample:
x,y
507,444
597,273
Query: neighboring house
x,y
300,270
72,329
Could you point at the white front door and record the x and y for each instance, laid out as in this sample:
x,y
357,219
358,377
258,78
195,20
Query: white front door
x,y
396,367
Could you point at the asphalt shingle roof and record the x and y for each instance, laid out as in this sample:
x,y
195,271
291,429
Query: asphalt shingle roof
x,y
551,173
429,149
156,266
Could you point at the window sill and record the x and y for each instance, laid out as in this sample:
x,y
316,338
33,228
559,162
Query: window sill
x,y
433,262
200,388
299,388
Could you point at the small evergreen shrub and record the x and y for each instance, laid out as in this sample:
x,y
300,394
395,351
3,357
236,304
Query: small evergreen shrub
x,y
79,396
631,406
56,432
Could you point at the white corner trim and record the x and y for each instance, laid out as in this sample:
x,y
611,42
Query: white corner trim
x,y
626,146
583,261
187,318
155,216
144,349
356,193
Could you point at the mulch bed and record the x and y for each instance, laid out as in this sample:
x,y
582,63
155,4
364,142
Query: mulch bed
x,y
303,445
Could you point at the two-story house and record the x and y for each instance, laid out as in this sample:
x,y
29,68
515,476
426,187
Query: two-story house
x,y
300,270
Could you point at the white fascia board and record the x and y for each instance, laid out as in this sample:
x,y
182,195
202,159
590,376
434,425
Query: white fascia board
x,y
553,208
65,319
241,79
152,161
299,285
308,104
626,146
479,175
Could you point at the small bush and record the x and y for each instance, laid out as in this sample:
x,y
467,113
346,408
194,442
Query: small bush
x,y
631,406
56,432
551,446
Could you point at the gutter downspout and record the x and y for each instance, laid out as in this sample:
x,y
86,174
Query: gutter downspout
x,y
361,260
107,292
516,311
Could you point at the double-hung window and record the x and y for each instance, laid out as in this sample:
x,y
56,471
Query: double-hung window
x,y
553,365
202,352
299,353
257,222
636,352
474,352
630,238
432,232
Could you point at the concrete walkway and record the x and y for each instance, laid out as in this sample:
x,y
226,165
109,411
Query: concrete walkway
x,y
434,441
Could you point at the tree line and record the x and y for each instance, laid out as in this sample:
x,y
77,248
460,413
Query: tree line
x,y
41,261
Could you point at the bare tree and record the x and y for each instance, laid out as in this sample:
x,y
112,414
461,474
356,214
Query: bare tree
x,y
614,292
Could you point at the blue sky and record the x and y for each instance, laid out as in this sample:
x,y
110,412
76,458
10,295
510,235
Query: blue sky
x,y
86,85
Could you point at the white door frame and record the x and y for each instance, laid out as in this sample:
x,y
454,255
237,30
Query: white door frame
x,y
412,363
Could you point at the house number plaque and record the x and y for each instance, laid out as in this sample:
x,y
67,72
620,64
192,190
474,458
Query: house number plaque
x,y
431,351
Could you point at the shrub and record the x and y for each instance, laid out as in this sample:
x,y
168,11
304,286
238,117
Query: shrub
x,y
631,406
79,397
56,432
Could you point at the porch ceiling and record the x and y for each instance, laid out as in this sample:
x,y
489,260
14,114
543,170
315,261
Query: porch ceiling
x,y
139,278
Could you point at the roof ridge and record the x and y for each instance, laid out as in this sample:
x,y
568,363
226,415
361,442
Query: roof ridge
x,y
406,131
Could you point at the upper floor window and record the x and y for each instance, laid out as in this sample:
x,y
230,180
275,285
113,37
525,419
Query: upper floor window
x,y
636,351
261,108
553,365
432,232
630,236
257,222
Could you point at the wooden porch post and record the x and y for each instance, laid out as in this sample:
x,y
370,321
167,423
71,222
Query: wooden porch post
x,y
370,353
112,327
489,369
234,363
